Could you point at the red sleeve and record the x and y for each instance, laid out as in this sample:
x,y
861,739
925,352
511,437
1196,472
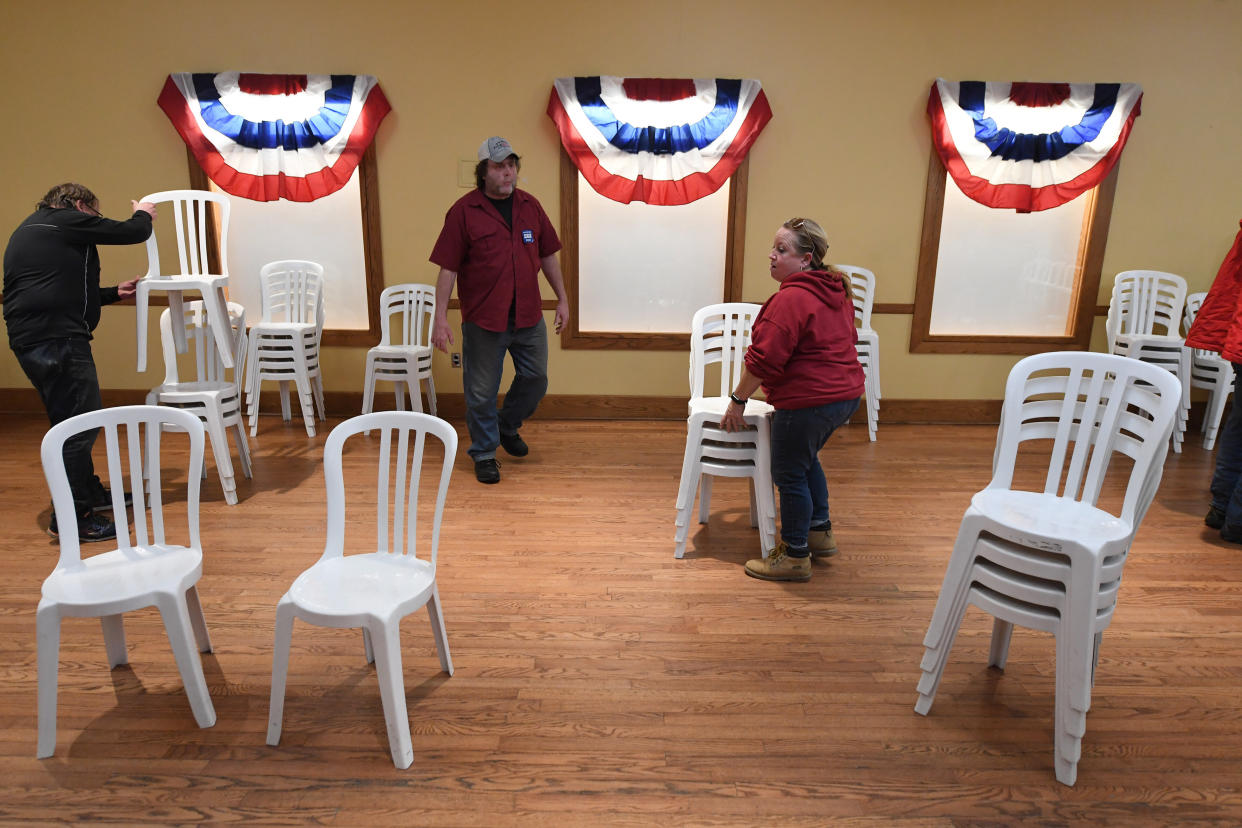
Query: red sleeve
x,y
453,244
771,340
549,242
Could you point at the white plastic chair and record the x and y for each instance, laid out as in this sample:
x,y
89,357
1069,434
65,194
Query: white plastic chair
x,y
374,590
143,570
284,345
403,356
1052,559
720,334
189,209
1210,371
862,282
213,396
1143,318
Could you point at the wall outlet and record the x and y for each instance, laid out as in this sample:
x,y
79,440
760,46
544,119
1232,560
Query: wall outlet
x,y
455,359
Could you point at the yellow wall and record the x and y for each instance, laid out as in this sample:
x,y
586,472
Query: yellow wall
x,y
848,143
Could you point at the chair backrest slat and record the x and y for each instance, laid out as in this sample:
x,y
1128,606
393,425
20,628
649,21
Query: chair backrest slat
x,y
720,334
124,429
398,477
1145,302
292,291
412,306
195,214
1088,407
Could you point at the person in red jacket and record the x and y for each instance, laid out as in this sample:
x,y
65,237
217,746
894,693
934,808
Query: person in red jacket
x,y
1218,327
802,353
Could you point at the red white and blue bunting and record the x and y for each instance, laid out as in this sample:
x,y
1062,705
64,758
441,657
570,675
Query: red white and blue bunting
x,y
661,141
1030,146
267,137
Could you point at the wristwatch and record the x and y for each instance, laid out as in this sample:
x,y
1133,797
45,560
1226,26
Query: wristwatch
x,y
737,399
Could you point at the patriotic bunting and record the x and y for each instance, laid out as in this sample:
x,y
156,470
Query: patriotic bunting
x,y
659,141
266,137
1030,146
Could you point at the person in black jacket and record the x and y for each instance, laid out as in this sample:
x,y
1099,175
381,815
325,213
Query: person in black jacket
x,y
52,299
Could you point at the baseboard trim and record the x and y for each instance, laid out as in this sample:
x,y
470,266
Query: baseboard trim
x,y
584,407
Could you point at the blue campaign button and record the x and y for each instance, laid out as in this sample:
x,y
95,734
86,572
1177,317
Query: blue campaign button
x,y
528,236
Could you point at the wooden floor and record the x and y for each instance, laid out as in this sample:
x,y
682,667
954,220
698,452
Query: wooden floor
x,y
601,682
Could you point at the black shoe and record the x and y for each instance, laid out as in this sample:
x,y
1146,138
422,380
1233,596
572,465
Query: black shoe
x,y
92,528
514,444
105,501
1215,518
487,470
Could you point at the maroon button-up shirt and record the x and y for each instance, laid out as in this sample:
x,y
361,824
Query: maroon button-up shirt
x,y
496,265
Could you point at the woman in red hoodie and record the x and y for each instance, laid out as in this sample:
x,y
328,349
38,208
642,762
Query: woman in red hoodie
x,y
802,353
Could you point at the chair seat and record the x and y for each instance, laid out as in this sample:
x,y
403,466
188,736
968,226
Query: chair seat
x,y
190,390
123,575
1046,521
281,327
399,351
717,406
372,584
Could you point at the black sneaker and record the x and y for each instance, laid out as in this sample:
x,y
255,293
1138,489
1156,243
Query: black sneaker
x,y
487,470
1215,518
92,528
514,444
105,501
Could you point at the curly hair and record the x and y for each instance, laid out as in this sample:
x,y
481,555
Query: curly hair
x,y
67,196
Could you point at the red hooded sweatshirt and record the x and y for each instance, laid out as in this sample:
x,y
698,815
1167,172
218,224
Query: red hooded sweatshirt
x,y
1218,327
802,343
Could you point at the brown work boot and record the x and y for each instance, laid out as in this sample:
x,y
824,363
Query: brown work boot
x,y
780,566
821,543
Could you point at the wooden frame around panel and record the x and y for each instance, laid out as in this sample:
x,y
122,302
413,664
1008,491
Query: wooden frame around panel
x,y
1086,284
368,196
735,243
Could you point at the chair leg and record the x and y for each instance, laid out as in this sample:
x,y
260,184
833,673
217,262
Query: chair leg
x,y
286,413
47,635
688,487
705,498
180,631
398,394
280,670
243,448
198,621
176,309
431,396
223,457
998,653
436,614
947,616
114,639
368,390
317,389
368,651
416,393
252,385
217,308
386,640
141,320
1071,714
1212,417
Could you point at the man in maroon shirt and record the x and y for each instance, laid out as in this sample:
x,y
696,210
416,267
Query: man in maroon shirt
x,y
494,242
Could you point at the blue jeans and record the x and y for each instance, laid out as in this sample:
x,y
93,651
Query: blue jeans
x,y
63,372
483,361
797,436
1227,481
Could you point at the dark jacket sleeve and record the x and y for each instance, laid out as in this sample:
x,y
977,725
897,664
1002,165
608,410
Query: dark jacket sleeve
x,y
79,227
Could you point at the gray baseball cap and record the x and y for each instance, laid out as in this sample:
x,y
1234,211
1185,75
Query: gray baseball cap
x,y
495,149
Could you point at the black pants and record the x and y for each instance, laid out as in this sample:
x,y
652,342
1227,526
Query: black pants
x,y
63,372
